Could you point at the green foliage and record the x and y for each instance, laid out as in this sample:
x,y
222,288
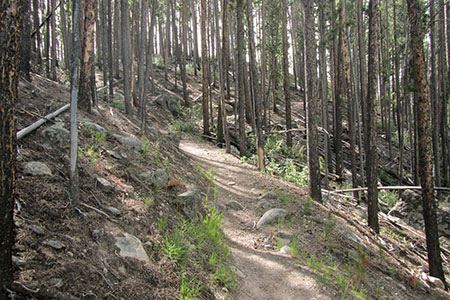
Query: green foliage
x,y
307,207
294,247
147,200
330,225
389,197
119,104
187,121
175,246
99,137
190,289
91,152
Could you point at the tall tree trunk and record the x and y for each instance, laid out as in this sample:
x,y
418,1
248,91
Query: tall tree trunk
x,y
87,54
286,79
142,80
125,28
362,80
240,76
65,36
167,44
117,38
110,52
37,34
349,96
424,132
194,21
205,82
400,114
10,21
222,69
311,101
25,43
74,86
54,58
184,51
256,89
371,117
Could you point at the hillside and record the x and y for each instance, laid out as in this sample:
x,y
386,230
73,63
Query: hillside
x,y
131,187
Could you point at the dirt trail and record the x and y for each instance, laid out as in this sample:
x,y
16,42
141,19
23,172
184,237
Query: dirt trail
x,y
264,273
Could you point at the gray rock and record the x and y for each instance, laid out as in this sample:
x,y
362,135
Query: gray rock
x,y
113,210
157,177
169,102
350,235
130,246
191,202
104,184
229,108
153,130
234,205
283,242
269,195
113,154
37,229
55,244
18,261
94,127
36,168
264,204
436,282
57,135
285,249
130,142
273,215
285,235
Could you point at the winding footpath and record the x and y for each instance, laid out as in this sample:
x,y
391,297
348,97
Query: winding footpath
x,y
262,272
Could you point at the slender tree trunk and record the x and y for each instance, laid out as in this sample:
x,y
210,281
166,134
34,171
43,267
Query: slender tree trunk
x,y
205,82
167,44
256,88
117,38
363,81
184,51
125,28
424,133
311,101
371,150
194,25
110,52
54,58
10,22
240,76
222,69
87,54
142,80
65,36
37,35
286,79
25,43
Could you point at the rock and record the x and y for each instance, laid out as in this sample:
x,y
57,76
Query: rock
x,y
285,249
443,215
36,168
18,261
56,282
130,142
264,204
269,195
238,272
273,215
169,102
436,282
55,244
285,235
94,127
234,205
57,135
113,154
350,235
153,131
130,246
113,210
190,202
156,177
283,242
104,184
37,229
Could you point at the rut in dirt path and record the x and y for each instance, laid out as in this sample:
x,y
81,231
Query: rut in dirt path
x,y
262,273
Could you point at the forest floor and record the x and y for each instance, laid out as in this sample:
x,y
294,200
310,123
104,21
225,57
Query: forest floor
x,y
69,253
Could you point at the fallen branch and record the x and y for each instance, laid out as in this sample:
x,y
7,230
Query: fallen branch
x,y
38,123
99,211
395,188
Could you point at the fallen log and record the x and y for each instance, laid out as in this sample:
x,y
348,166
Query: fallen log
x,y
38,123
395,188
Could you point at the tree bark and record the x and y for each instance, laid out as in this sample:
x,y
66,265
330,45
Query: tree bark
x,y
286,79
240,76
311,101
371,149
205,82
125,28
10,22
425,140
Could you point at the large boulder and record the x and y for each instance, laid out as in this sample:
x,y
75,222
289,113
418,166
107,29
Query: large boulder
x,y
130,246
130,142
156,177
191,202
37,168
271,216
93,127
169,102
57,135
